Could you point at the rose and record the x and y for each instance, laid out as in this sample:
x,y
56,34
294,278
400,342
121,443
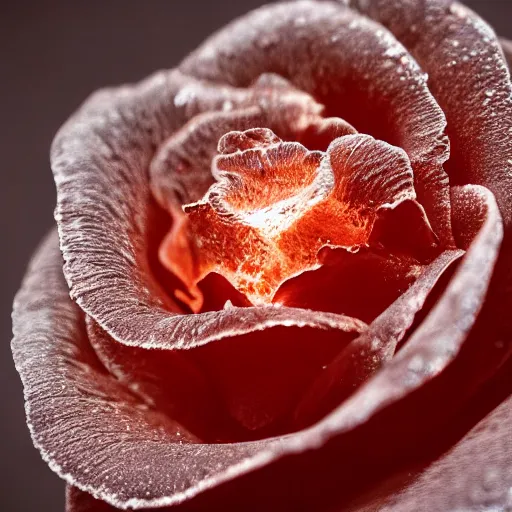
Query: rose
x,y
420,354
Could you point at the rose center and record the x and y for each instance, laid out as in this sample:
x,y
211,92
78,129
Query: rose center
x,y
276,205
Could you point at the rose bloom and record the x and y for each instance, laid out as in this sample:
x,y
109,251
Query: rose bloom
x,y
281,277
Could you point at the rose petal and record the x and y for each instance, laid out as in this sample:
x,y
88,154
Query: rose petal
x,y
148,465
92,430
105,216
400,414
260,229
180,172
262,377
183,163
474,475
350,64
236,378
373,348
469,79
437,341
319,135
361,285
167,380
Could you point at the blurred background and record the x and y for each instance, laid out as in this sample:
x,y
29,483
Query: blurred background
x,y
53,53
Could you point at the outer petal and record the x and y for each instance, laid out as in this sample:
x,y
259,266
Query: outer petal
x,y
111,445
353,66
474,475
89,428
485,453
373,348
470,80
107,218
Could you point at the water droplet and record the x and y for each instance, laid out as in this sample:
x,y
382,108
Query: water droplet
x,y
227,106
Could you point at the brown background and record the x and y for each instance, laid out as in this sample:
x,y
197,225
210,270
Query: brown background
x,y
52,55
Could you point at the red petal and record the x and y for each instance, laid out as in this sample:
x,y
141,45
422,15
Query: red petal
x,y
75,410
182,164
262,376
373,348
106,215
353,66
470,81
276,204
166,380
361,285
88,426
475,474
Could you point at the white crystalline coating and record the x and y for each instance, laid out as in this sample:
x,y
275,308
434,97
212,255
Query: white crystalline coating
x,y
185,96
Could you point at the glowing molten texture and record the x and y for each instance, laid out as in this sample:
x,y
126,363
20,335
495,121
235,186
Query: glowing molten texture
x,y
276,204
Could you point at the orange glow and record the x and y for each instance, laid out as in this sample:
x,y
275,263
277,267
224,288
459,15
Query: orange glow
x,y
276,204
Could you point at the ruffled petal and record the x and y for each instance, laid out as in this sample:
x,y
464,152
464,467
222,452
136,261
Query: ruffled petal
x,y
181,169
169,381
440,337
469,79
354,67
107,217
276,205
91,429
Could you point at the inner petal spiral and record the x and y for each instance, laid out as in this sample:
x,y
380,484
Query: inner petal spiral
x,y
276,204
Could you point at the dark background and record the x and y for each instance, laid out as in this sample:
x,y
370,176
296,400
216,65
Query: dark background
x,y
52,55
